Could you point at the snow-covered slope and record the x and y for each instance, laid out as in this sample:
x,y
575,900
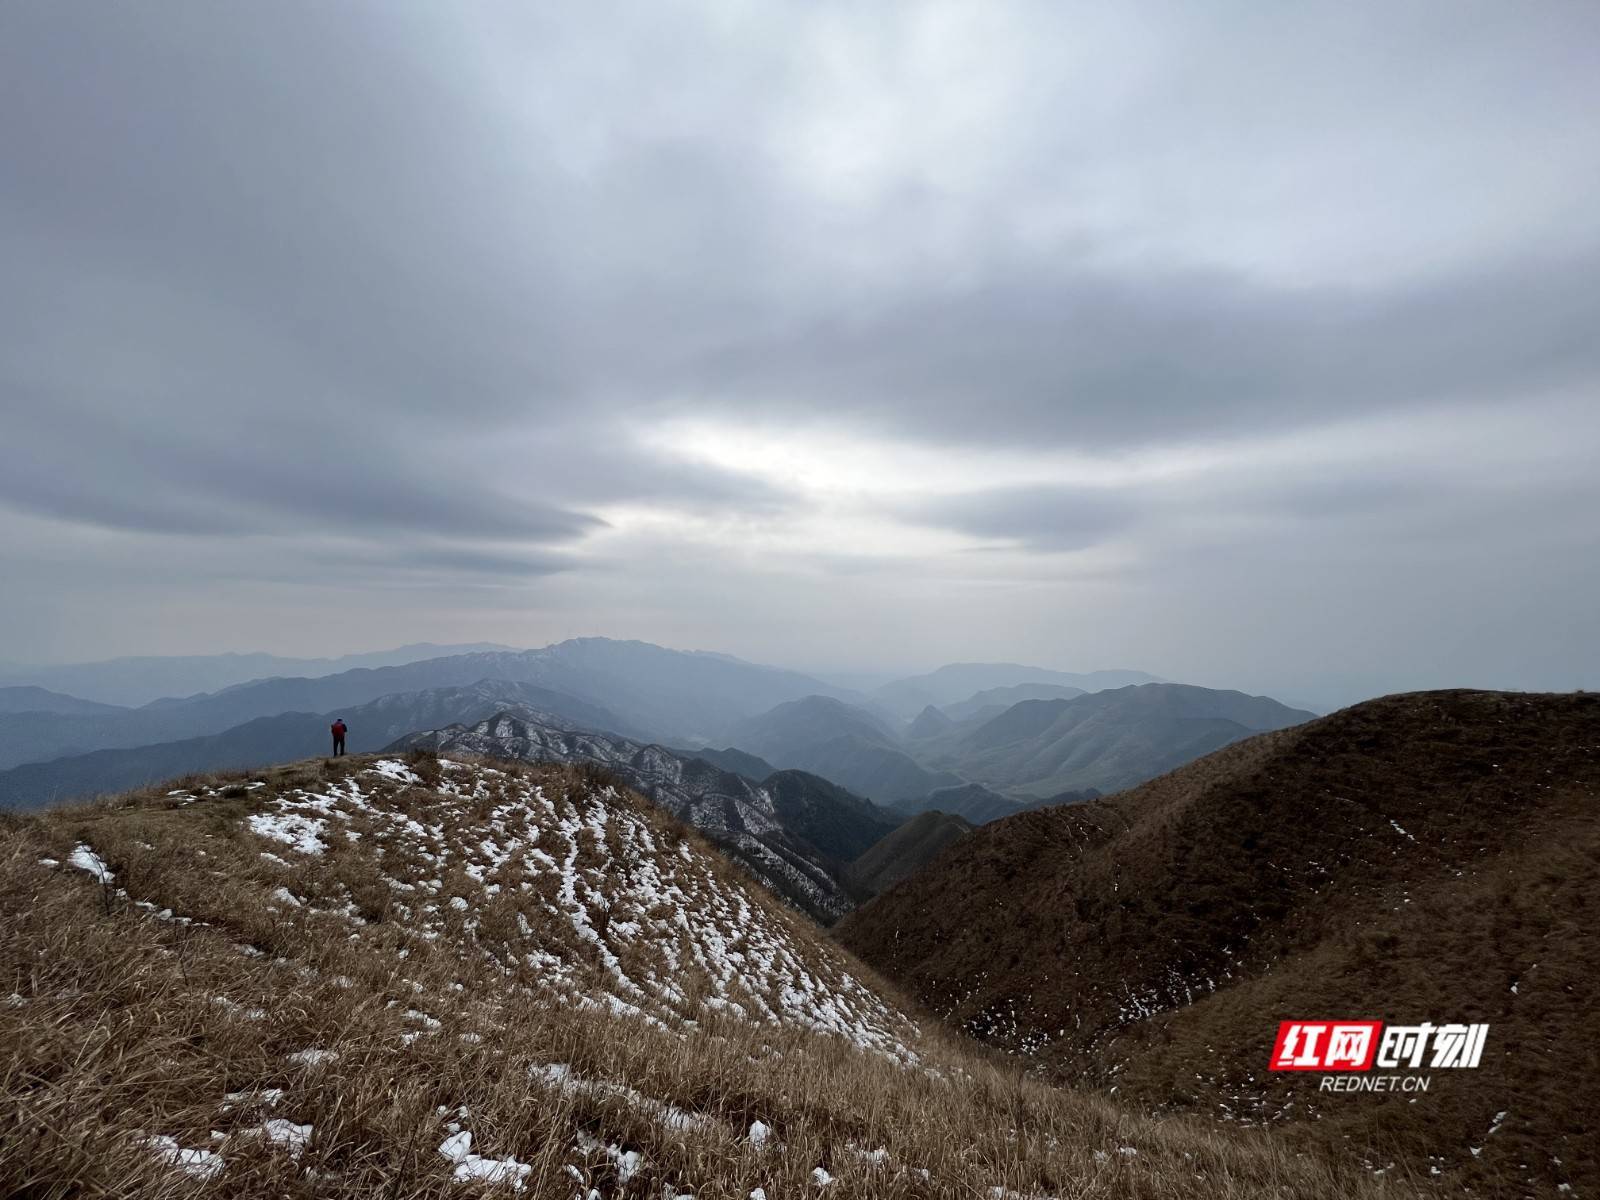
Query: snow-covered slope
x,y
741,816
632,916
422,979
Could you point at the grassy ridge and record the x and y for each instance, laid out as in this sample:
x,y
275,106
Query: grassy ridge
x,y
326,1023
1425,857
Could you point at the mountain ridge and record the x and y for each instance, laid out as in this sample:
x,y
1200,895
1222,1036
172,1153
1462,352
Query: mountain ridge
x,y
668,694
766,827
844,743
1423,857
287,736
423,977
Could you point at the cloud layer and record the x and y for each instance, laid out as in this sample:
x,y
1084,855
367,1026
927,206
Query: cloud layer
x,y
1250,347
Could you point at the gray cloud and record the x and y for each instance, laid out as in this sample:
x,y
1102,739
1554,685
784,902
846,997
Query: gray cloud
x,y
1083,359
1041,516
369,298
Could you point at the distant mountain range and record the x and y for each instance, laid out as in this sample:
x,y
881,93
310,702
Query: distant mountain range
x,y
1052,751
667,695
793,831
37,699
979,805
1424,857
129,682
841,742
978,757
992,702
1104,740
959,682
289,736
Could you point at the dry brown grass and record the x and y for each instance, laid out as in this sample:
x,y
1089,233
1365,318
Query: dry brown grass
x,y
125,1024
1423,857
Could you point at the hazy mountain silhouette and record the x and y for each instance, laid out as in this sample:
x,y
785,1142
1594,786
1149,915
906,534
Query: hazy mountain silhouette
x,y
39,700
959,681
997,700
930,723
1106,740
668,694
139,680
842,742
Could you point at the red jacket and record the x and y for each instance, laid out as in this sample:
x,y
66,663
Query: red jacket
x,y
338,729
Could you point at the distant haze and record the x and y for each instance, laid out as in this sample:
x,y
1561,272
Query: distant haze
x,y
1248,345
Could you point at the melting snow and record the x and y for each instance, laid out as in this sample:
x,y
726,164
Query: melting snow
x,y
202,1164
472,1167
302,833
86,859
596,866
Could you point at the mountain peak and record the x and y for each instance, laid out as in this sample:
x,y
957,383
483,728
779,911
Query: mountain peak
x,y
930,722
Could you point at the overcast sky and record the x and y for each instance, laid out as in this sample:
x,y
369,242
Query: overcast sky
x,y
1250,344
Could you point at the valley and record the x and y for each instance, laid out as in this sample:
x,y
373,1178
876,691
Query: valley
x,y
1116,892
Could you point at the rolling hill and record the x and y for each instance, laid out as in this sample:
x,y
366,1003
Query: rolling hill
x,y
956,682
430,978
996,700
978,805
794,832
929,723
1421,858
1105,740
903,852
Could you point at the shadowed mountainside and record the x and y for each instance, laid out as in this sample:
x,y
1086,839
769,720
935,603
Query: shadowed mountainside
x,y
1423,857
978,805
904,852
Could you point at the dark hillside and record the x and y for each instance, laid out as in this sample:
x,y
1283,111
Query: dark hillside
x,y
1424,857
752,768
904,852
840,825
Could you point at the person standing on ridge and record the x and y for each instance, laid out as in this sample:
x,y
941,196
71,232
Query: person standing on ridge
x,y
338,729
